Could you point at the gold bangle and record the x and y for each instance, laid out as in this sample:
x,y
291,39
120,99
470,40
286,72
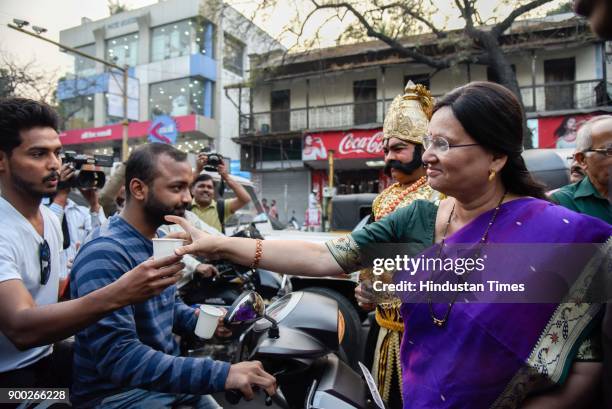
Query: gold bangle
x,y
258,253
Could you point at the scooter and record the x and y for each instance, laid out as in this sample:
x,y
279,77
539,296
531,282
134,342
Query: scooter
x,y
297,339
233,280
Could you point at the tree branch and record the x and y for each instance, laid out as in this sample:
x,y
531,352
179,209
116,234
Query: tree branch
x,y
505,24
410,11
396,45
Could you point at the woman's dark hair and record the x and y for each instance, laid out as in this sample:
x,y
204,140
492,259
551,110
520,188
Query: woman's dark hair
x,y
22,114
562,128
491,114
143,161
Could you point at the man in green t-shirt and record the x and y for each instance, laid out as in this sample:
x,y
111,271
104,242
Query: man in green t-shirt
x,y
206,207
594,153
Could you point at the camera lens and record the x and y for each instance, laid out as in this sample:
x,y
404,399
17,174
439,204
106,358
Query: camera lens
x,y
90,180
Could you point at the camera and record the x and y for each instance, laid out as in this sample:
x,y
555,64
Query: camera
x,y
87,170
213,160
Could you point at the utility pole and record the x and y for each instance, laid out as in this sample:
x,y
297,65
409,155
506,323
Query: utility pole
x,y
124,70
328,193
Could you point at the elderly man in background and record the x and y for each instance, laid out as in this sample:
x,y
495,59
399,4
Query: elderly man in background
x,y
594,154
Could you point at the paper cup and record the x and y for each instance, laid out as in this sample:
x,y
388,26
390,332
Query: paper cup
x,y
207,321
165,247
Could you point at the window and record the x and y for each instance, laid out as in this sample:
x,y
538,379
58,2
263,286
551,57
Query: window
x,y
364,94
233,55
78,112
185,96
560,96
277,150
123,50
84,67
184,37
280,105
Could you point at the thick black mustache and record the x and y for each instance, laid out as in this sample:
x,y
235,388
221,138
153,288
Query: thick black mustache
x,y
52,175
406,168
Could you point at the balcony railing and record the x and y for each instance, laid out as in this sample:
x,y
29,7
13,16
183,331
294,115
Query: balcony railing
x,y
539,98
568,95
315,117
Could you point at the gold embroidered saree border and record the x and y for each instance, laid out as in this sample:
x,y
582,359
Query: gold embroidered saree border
x,y
553,354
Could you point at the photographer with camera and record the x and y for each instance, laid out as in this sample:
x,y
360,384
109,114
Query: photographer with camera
x,y
211,211
76,221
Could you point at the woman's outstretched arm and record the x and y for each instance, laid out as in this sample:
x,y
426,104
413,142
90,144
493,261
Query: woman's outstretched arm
x,y
289,257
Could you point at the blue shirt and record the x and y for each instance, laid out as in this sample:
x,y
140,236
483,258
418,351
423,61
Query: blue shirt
x,y
133,347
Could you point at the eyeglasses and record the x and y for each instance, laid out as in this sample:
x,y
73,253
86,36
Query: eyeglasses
x,y
604,151
44,254
440,144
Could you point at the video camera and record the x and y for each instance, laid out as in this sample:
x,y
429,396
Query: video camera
x,y
87,170
213,160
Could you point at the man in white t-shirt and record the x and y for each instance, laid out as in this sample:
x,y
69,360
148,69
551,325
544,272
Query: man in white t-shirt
x,y
31,319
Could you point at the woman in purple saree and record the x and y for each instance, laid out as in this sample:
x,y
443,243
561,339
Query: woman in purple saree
x,y
495,354
484,353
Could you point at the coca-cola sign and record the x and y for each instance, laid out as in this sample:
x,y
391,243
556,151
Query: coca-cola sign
x,y
352,144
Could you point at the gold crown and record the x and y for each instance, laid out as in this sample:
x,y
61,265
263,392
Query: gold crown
x,y
409,114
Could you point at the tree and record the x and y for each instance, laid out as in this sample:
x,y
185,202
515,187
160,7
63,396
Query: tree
x,y
116,7
25,80
28,80
567,7
392,21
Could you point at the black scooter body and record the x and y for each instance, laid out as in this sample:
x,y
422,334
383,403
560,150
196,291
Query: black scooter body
x,y
303,356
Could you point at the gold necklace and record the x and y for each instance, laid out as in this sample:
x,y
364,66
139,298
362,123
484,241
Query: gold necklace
x,y
389,207
439,322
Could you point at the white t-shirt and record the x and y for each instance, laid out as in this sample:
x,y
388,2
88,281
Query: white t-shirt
x,y
19,259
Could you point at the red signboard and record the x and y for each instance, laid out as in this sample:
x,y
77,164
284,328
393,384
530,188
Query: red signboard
x,y
560,131
185,123
352,144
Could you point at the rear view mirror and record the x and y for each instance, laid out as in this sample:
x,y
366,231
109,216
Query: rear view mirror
x,y
247,308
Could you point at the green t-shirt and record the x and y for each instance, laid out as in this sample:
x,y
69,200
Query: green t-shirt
x,y
209,213
582,197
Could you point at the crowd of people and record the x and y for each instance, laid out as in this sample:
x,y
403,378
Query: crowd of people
x,y
115,285
459,179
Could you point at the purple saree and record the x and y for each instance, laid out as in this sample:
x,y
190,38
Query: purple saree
x,y
493,355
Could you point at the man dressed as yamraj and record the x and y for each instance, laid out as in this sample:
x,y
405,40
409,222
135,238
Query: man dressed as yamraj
x,y
405,124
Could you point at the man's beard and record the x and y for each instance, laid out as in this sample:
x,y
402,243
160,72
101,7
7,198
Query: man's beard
x,y
27,188
406,168
155,211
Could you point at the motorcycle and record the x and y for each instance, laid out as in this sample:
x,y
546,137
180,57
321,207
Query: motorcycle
x,y
222,290
297,339
232,280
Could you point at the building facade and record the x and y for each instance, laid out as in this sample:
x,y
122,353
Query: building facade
x,y
336,98
180,54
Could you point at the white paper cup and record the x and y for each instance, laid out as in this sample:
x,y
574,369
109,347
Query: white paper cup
x,y
165,247
207,321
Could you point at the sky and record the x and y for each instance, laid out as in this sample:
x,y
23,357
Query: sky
x,y
56,15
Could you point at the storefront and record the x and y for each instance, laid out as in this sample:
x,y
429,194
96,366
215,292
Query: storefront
x,y
106,140
358,160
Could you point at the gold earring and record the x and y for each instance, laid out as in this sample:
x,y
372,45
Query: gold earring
x,y
492,174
